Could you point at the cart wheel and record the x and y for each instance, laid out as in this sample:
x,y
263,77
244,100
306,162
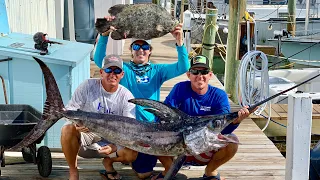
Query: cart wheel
x,y
44,161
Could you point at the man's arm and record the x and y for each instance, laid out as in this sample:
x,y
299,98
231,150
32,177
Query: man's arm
x,y
77,101
100,51
129,109
79,97
224,108
101,47
169,71
172,99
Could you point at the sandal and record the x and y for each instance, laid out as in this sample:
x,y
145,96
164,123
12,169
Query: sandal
x,y
217,177
105,174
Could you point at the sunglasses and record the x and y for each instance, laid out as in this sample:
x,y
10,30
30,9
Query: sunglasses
x,y
144,47
116,70
197,72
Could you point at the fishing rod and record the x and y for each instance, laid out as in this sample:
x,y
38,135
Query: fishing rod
x,y
251,108
234,115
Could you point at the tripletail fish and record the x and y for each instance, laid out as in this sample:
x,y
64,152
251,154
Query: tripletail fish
x,y
174,133
140,21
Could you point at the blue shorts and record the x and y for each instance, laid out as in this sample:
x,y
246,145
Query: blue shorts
x,y
144,163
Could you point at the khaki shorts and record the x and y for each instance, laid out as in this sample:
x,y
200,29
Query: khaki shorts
x,y
89,146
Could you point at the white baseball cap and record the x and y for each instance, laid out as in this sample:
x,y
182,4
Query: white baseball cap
x,y
147,41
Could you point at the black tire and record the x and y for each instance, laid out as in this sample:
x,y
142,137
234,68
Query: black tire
x,y
44,161
27,155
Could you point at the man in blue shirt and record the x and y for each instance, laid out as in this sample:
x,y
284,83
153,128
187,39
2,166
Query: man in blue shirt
x,y
144,79
197,98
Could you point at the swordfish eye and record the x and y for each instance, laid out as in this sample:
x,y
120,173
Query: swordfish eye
x,y
217,124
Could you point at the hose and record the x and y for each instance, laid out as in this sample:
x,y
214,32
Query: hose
x,y
250,74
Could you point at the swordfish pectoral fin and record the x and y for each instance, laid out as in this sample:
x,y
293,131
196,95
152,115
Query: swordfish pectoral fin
x,y
175,167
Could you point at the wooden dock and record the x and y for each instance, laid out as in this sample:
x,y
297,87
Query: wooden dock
x,y
257,157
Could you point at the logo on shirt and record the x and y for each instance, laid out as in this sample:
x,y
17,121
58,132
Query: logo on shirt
x,y
142,79
205,108
105,110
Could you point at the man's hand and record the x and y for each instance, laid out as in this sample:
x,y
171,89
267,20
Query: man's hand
x,y
109,18
177,34
242,114
82,129
108,149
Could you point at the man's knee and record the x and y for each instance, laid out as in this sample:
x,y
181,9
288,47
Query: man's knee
x,y
69,130
69,136
226,152
232,148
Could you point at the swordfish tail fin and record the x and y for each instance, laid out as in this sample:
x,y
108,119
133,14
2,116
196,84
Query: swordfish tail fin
x,y
51,111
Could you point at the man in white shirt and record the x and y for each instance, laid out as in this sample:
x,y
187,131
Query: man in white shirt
x,y
102,95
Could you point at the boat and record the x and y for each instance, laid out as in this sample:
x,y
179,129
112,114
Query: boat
x,y
301,50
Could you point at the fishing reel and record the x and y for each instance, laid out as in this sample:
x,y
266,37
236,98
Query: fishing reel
x,y
42,42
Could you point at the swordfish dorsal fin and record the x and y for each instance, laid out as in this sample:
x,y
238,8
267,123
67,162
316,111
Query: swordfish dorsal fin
x,y
51,110
170,117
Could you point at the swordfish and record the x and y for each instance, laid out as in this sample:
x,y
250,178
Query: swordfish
x,y
174,134
163,138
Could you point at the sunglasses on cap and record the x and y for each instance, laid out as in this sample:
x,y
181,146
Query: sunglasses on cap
x,y
197,71
110,70
137,47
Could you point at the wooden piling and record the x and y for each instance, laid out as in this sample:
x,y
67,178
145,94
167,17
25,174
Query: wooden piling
x,y
209,36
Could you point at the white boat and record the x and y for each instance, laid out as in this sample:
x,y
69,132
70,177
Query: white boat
x,y
299,75
276,85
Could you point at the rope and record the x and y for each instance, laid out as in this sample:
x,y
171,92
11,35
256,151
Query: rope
x,y
249,73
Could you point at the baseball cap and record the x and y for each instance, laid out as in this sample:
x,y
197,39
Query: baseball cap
x,y
199,61
112,60
147,41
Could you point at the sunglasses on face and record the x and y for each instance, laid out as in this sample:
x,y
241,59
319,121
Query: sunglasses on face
x,y
137,47
110,70
197,72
